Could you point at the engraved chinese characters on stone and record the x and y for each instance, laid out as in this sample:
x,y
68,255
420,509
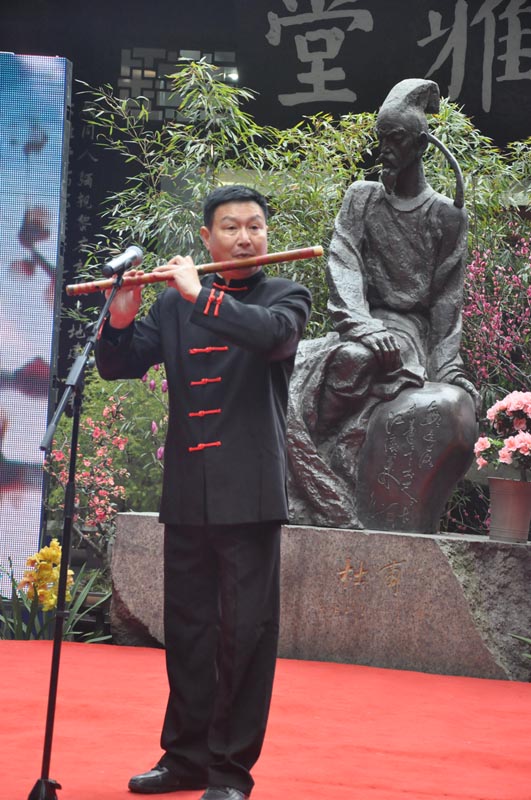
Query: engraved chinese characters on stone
x,y
410,439
357,576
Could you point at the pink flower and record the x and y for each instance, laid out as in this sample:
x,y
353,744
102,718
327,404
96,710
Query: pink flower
x,y
160,453
492,412
481,462
505,456
164,385
154,428
515,401
510,444
522,443
483,443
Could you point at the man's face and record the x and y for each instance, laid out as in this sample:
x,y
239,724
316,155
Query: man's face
x,y
238,230
399,147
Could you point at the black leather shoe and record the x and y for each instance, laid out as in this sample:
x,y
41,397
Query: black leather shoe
x,y
223,793
160,780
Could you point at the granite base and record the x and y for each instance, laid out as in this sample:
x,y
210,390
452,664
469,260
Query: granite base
x,y
444,604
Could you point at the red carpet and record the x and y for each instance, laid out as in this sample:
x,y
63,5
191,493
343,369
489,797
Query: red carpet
x,y
337,732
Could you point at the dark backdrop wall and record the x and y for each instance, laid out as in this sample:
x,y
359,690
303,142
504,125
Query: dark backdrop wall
x,y
301,56
307,55
345,56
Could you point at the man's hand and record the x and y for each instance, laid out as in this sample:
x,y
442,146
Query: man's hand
x,y
181,274
126,303
385,348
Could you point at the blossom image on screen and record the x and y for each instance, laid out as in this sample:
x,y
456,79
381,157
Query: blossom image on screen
x,y
33,110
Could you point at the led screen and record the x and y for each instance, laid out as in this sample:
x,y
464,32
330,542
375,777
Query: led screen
x,y
34,102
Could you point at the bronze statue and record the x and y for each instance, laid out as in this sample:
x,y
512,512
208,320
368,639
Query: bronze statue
x,y
395,274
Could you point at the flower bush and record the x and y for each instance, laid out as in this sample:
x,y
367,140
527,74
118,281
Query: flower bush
x,y
497,314
30,611
510,444
99,483
157,384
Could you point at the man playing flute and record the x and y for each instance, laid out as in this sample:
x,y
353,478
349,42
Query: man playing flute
x,y
228,343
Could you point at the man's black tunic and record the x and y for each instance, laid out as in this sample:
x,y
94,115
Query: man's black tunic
x,y
228,360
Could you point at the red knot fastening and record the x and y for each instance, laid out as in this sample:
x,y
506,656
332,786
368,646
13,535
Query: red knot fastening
x,y
205,412
204,381
230,288
211,298
203,445
195,350
218,303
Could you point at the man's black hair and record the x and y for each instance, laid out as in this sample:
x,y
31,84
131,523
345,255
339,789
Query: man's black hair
x,y
231,193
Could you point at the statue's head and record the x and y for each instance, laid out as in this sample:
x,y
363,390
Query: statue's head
x,y
402,126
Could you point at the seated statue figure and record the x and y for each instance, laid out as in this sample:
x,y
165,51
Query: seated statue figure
x,y
382,416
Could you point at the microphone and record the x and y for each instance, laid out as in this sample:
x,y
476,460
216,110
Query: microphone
x,y
131,257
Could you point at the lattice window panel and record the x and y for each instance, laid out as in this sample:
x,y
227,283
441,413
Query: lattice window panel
x,y
144,72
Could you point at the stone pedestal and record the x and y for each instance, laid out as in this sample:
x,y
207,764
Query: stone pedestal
x,y
441,604
137,581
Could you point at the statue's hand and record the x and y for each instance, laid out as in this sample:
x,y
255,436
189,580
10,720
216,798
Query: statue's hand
x,y
469,387
385,348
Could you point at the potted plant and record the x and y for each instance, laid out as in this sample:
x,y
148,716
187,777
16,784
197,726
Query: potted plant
x,y
509,444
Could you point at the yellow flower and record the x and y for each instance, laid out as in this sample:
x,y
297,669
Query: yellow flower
x,y
41,579
51,553
44,572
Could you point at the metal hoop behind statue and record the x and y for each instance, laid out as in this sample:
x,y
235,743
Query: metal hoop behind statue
x,y
459,197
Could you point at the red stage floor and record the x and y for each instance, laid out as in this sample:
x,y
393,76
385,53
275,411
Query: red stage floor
x,y
337,731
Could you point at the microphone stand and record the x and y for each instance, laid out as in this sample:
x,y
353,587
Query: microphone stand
x,y
45,788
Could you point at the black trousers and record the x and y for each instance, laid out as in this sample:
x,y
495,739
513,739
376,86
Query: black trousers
x,y
221,619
